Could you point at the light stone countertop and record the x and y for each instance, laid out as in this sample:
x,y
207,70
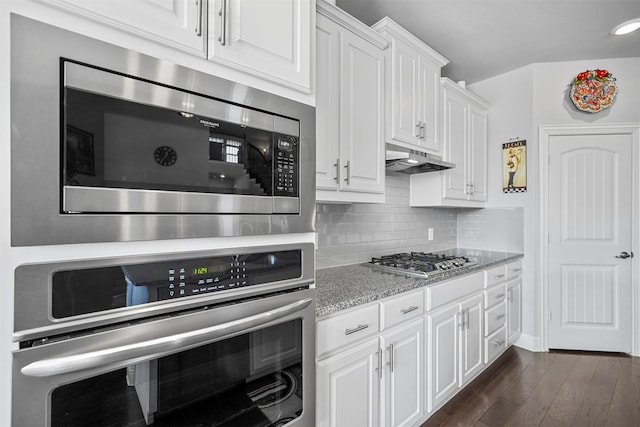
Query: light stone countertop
x,y
340,288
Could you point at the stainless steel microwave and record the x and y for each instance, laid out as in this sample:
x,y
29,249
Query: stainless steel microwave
x,y
112,145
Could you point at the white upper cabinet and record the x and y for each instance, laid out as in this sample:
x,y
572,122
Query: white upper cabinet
x,y
349,109
180,24
413,90
464,136
267,38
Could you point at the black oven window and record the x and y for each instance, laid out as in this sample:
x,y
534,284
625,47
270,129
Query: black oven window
x,y
251,380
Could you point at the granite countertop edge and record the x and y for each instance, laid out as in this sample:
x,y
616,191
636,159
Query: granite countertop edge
x,y
344,287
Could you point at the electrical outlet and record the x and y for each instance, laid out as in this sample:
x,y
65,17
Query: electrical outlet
x,y
430,233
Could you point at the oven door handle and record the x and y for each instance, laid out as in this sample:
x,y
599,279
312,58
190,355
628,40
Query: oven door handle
x,y
147,350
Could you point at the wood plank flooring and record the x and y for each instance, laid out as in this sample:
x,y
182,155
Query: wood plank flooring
x,y
558,388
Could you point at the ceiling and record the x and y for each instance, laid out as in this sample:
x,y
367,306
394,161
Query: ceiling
x,y
485,38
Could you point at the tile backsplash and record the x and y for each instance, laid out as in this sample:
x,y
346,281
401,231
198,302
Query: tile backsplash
x,y
349,234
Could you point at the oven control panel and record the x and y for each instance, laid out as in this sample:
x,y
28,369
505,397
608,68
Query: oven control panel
x,y
92,290
175,279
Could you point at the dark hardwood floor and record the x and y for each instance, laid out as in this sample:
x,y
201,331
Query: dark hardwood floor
x,y
558,388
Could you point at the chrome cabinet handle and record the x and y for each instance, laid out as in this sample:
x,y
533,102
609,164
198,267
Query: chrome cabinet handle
x,y
152,349
348,167
379,368
199,18
499,316
418,127
500,276
461,323
498,343
356,329
510,297
409,310
516,270
337,166
625,255
499,296
390,362
223,22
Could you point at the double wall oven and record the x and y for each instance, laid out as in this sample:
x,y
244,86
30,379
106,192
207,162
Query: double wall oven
x,y
110,146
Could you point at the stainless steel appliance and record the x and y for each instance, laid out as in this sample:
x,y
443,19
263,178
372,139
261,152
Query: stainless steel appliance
x,y
420,264
207,338
405,160
112,145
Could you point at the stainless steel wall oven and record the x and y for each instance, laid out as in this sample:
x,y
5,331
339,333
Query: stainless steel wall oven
x,y
216,338
108,144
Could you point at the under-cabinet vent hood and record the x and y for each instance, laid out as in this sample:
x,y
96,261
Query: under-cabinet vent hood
x,y
400,159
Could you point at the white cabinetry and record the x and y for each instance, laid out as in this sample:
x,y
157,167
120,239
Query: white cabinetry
x,y
465,144
349,109
376,379
455,334
270,39
514,301
266,44
180,24
413,90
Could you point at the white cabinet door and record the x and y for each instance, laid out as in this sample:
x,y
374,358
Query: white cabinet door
x,y
348,388
405,374
361,115
429,117
405,93
327,100
471,337
442,363
478,146
267,38
180,24
514,310
455,185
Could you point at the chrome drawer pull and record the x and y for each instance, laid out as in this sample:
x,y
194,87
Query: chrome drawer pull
x,y
409,310
356,329
379,368
499,296
499,316
498,343
390,362
516,270
499,276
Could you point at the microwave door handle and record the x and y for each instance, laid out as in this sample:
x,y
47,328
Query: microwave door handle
x,y
147,350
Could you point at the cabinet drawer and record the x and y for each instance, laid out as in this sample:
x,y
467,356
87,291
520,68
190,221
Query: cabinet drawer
x,y
514,269
348,328
495,275
495,318
494,295
495,344
401,308
451,290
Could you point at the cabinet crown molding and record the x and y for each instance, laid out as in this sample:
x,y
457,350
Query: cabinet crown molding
x,y
452,86
350,23
388,26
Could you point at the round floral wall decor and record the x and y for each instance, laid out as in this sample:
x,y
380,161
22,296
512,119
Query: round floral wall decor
x,y
593,90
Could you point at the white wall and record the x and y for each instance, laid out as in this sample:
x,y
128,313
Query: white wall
x,y
521,101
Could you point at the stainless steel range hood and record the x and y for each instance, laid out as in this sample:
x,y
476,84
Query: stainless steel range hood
x,y
405,160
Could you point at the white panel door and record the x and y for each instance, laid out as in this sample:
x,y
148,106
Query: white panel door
x,y
350,388
362,115
455,148
590,214
442,355
404,366
405,93
471,337
270,39
327,98
429,107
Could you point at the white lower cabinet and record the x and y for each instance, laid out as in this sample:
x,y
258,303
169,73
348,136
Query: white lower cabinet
x,y
514,310
455,334
377,381
348,389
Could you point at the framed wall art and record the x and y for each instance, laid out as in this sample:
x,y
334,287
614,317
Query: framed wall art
x,y
514,166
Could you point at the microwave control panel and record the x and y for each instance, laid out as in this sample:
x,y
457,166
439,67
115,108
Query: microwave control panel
x,y
286,166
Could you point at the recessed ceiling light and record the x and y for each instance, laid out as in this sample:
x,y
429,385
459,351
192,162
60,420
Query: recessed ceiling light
x,y
626,27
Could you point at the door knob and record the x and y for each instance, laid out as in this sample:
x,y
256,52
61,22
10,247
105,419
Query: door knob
x,y
625,255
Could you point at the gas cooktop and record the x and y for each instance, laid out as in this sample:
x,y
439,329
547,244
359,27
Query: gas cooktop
x,y
419,264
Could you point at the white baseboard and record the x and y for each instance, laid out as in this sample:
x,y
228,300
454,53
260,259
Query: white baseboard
x,y
529,342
